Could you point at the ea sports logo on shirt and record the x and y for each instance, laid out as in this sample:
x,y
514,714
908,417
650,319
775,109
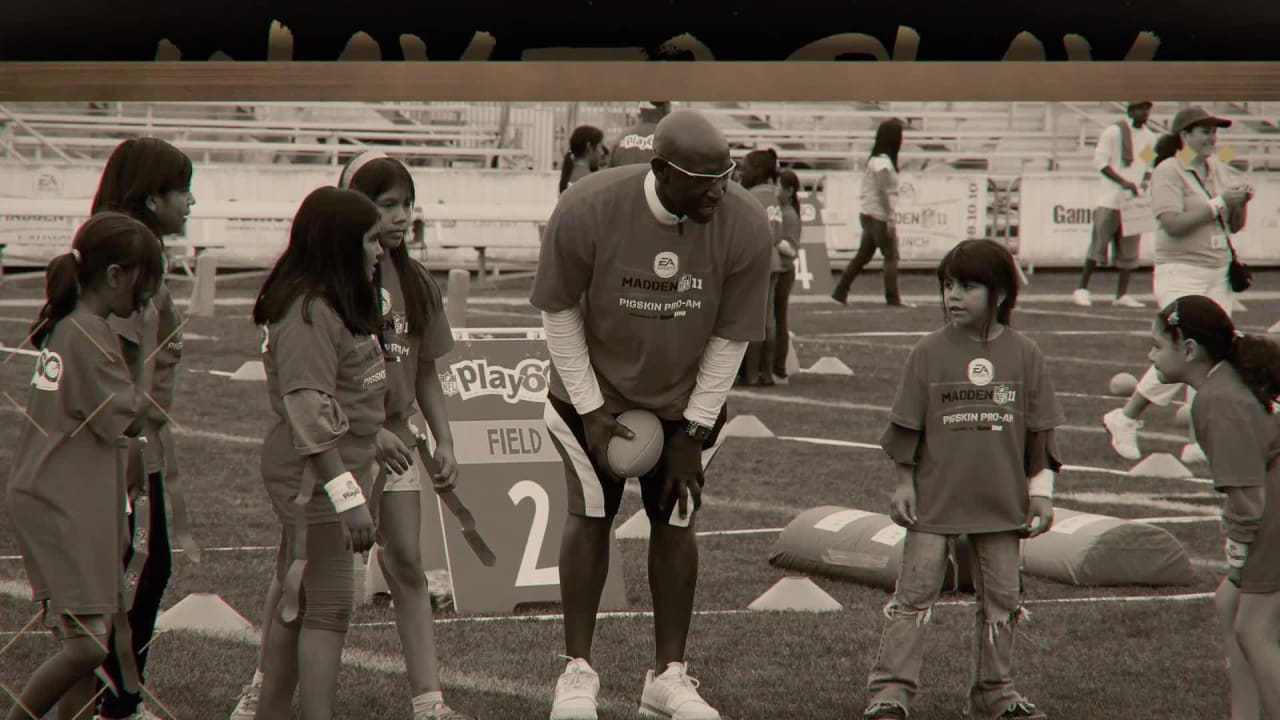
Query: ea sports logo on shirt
x,y
386,301
48,370
981,372
666,265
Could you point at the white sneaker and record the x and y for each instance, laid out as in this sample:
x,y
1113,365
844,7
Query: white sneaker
x,y
576,692
247,705
1124,433
1192,453
1127,301
1082,297
673,695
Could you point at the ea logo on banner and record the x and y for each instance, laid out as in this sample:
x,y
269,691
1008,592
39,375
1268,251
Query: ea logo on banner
x,y
981,372
666,265
48,370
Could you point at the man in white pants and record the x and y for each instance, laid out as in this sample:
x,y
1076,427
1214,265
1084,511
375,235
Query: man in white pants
x,y
1119,157
1198,202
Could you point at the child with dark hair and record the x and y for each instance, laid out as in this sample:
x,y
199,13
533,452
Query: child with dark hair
x,y
326,381
84,402
971,433
149,180
789,201
415,334
759,174
586,151
1237,383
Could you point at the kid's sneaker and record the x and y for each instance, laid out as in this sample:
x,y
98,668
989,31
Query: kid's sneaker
x,y
1124,433
576,692
885,711
673,695
247,705
1023,710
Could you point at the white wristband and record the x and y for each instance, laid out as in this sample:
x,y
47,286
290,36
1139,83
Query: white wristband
x,y
344,492
1042,484
1217,204
1237,553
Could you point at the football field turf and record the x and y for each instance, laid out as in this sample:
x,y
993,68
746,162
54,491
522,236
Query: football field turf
x,y
1130,652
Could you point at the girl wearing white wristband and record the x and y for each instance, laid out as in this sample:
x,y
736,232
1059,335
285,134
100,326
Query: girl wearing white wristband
x,y
327,385
1237,381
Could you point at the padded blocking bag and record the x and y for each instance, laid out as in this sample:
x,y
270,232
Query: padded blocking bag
x,y
1086,549
848,544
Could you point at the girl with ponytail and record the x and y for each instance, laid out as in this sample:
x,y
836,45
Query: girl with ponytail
x,y
1233,413
66,491
586,151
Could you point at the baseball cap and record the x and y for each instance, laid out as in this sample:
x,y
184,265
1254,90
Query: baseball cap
x,y
1140,103
1187,117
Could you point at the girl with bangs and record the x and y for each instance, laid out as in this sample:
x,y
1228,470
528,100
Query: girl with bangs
x,y
415,334
68,518
326,381
971,434
149,180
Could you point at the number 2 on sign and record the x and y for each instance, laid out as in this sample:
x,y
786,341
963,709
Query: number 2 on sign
x,y
803,276
529,574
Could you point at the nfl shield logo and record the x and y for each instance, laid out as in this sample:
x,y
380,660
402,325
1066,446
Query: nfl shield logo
x,y
1003,395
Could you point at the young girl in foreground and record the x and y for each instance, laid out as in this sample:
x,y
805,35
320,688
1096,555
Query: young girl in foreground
x,y
971,433
66,497
327,386
1237,380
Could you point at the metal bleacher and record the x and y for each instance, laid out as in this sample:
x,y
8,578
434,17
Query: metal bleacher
x,y
997,141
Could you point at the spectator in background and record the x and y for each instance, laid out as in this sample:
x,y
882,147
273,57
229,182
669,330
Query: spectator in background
x,y
1198,202
1119,158
759,173
636,145
878,201
789,200
586,151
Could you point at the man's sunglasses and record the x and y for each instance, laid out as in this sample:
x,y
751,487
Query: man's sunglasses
x,y
704,176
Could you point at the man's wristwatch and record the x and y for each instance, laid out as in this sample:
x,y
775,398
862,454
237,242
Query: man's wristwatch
x,y
697,431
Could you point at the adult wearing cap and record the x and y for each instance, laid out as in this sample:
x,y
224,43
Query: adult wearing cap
x,y
651,280
1198,202
1119,158
635,146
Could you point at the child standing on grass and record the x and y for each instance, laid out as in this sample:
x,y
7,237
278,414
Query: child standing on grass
x,y
1237,380
415,333
326,380
149,180
66,493
971,433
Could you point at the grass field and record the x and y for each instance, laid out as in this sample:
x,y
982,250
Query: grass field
x,y
1124,652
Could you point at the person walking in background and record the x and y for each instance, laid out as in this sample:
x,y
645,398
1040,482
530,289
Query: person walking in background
x,y
1119,157
878,202
586,151
789,200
